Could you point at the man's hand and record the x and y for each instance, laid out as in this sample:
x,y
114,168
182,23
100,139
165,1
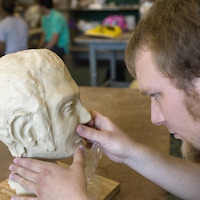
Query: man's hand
x,y
49,181
113,141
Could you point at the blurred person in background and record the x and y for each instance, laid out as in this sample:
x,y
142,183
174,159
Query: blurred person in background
x,y
13,30
55,34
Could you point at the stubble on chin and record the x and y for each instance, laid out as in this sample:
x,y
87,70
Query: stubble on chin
x,y
192,104
190,152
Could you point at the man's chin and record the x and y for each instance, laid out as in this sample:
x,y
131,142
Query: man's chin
x,y
190,152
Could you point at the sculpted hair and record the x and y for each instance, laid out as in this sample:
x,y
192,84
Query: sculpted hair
x,y
171,31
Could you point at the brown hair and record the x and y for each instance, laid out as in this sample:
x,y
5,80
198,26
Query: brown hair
x,y
171,31
46,3
8,6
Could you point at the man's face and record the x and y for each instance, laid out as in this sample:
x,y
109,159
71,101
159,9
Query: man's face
x,y
43,10
65,110
167,102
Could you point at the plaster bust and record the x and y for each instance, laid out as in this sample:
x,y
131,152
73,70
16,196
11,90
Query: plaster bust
x,y
40,106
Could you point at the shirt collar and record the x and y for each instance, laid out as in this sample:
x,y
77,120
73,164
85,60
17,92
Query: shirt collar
x,y
50,14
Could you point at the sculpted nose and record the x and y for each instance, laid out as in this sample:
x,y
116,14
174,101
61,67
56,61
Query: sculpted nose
x,y
84,115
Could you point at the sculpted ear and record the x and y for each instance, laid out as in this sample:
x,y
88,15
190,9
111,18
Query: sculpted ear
x,y
21,128
25,131
17,132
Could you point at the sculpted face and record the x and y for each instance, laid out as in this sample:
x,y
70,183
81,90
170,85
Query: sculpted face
x,y
40,106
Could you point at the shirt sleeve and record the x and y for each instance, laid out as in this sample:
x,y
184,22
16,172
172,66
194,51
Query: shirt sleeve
x,y
57,24
2,32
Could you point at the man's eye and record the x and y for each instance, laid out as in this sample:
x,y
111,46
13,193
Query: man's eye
x,y
68,108
154,96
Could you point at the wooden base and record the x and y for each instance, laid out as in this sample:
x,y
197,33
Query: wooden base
x,y
106,189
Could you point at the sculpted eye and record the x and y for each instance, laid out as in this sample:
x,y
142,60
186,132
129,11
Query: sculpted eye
x,y
68,108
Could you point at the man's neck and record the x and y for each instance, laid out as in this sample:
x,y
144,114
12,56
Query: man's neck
x,y
47,11
5,14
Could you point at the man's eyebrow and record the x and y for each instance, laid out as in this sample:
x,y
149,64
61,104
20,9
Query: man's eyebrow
x,y
147,91
143,92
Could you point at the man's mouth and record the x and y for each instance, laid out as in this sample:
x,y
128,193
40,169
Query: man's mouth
x,y
176,136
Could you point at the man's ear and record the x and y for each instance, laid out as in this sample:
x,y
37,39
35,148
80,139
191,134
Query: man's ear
x,y
197,84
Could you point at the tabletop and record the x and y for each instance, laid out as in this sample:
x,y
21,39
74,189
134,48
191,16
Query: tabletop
x,y
85,39
131,112
108,47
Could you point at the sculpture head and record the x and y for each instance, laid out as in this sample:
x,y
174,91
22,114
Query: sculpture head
x,y
40,106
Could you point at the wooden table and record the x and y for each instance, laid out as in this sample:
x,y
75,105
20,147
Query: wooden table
x,y
131,112
104,44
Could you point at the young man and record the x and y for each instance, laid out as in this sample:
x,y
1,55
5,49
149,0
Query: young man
x,y
55,29
164,55
13,30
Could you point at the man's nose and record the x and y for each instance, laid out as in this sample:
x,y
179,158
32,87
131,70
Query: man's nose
x,y
157,117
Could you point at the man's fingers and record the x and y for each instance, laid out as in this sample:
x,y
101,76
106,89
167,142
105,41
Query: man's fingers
x,y
89,133
79,155
27,174
98,119
23,198
26,184
31,164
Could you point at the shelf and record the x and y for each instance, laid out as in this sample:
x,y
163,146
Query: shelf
x,y
75,14
83,49
118,8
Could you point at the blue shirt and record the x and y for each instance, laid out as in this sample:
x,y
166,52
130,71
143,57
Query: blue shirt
x,y
14,34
